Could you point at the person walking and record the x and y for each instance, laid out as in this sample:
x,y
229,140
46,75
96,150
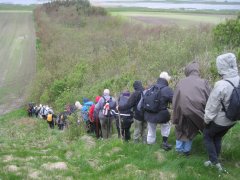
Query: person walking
x,y
189,100
125,118
140,126
162,115
103,109
217,124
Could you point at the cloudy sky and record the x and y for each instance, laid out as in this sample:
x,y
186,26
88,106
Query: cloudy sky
x,y
22,1
41,1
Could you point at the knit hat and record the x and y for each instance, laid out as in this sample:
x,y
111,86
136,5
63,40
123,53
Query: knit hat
x,y
106,92
165,75
78,105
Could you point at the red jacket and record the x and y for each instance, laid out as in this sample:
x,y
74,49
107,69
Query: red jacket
x,y
91,110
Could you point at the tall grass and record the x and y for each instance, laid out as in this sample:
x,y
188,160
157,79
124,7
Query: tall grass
x,y
80,55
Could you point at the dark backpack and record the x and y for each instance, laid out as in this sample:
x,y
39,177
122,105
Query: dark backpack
x,y
233,110
122,102
151,99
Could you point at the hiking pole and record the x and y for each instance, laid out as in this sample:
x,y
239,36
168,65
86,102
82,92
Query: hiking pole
x,y
119,120
108,126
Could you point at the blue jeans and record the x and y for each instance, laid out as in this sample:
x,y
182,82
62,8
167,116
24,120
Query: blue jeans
x,y
183,146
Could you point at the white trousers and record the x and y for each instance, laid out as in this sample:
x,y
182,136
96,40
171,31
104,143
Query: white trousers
x,y
152,127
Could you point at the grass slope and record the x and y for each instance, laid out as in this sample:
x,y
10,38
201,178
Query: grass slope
x,y
29,149
17,51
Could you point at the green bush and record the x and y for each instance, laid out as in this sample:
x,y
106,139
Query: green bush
x,y
228,34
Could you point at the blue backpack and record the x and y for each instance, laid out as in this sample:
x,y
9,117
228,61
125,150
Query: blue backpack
x,y
233,110
85,110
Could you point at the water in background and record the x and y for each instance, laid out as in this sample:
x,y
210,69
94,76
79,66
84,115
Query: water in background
x,y
166,5
25,2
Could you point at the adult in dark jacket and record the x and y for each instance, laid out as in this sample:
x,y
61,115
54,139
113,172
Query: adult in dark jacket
x,y
140,126
126,118
189,101
162,116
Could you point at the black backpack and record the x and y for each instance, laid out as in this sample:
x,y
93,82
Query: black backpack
x,y
151,99
233,110
122,101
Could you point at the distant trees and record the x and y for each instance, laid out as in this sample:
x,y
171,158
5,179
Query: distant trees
x,y
83,7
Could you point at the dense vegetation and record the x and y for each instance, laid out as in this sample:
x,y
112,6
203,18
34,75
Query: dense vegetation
x,y
80,54
227,35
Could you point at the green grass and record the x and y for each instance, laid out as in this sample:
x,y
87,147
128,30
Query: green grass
x,y
28,144
14,8
17,44
182,19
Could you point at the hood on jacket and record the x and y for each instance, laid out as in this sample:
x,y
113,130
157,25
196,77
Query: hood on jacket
x,y
227,65
97,99
137,85
85,100
192,69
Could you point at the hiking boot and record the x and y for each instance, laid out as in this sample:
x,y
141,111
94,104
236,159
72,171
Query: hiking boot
x,y
166,146
187,154
208,163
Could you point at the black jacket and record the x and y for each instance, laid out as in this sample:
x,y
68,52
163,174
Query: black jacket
x,y
133,101
163,115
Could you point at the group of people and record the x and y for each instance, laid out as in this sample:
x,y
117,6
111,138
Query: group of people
x,y
196,109
45,112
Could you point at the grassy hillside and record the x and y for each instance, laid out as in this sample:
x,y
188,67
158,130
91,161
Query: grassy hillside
x,y
80,55
30,150
18,62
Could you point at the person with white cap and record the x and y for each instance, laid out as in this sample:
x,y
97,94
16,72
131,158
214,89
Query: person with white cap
x,y
189,100
217,124
162,116
103,110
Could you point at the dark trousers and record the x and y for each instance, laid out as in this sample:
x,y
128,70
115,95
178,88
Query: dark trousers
x,y
51,124
125,127
213,135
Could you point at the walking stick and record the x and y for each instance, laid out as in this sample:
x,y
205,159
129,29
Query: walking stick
x,y
119,120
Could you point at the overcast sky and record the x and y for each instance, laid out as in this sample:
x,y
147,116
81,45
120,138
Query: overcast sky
x,y
23,1
41,1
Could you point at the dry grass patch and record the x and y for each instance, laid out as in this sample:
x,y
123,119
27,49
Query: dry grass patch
x,y
159,156
55,166
89,142
12,168
34,174
94,163
8,158
157,174
25,121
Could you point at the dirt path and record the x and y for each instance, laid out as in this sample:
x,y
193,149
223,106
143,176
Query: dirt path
x,y
17,58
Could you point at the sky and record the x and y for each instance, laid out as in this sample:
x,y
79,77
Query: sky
x,y
23,1
41,1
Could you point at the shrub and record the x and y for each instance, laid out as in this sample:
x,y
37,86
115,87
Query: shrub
x,y
228,34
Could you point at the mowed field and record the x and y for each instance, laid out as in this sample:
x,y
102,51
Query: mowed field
x,y
172,18
17,57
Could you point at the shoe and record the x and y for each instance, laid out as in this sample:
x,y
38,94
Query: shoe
x,y
187,154
208,163
166,146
